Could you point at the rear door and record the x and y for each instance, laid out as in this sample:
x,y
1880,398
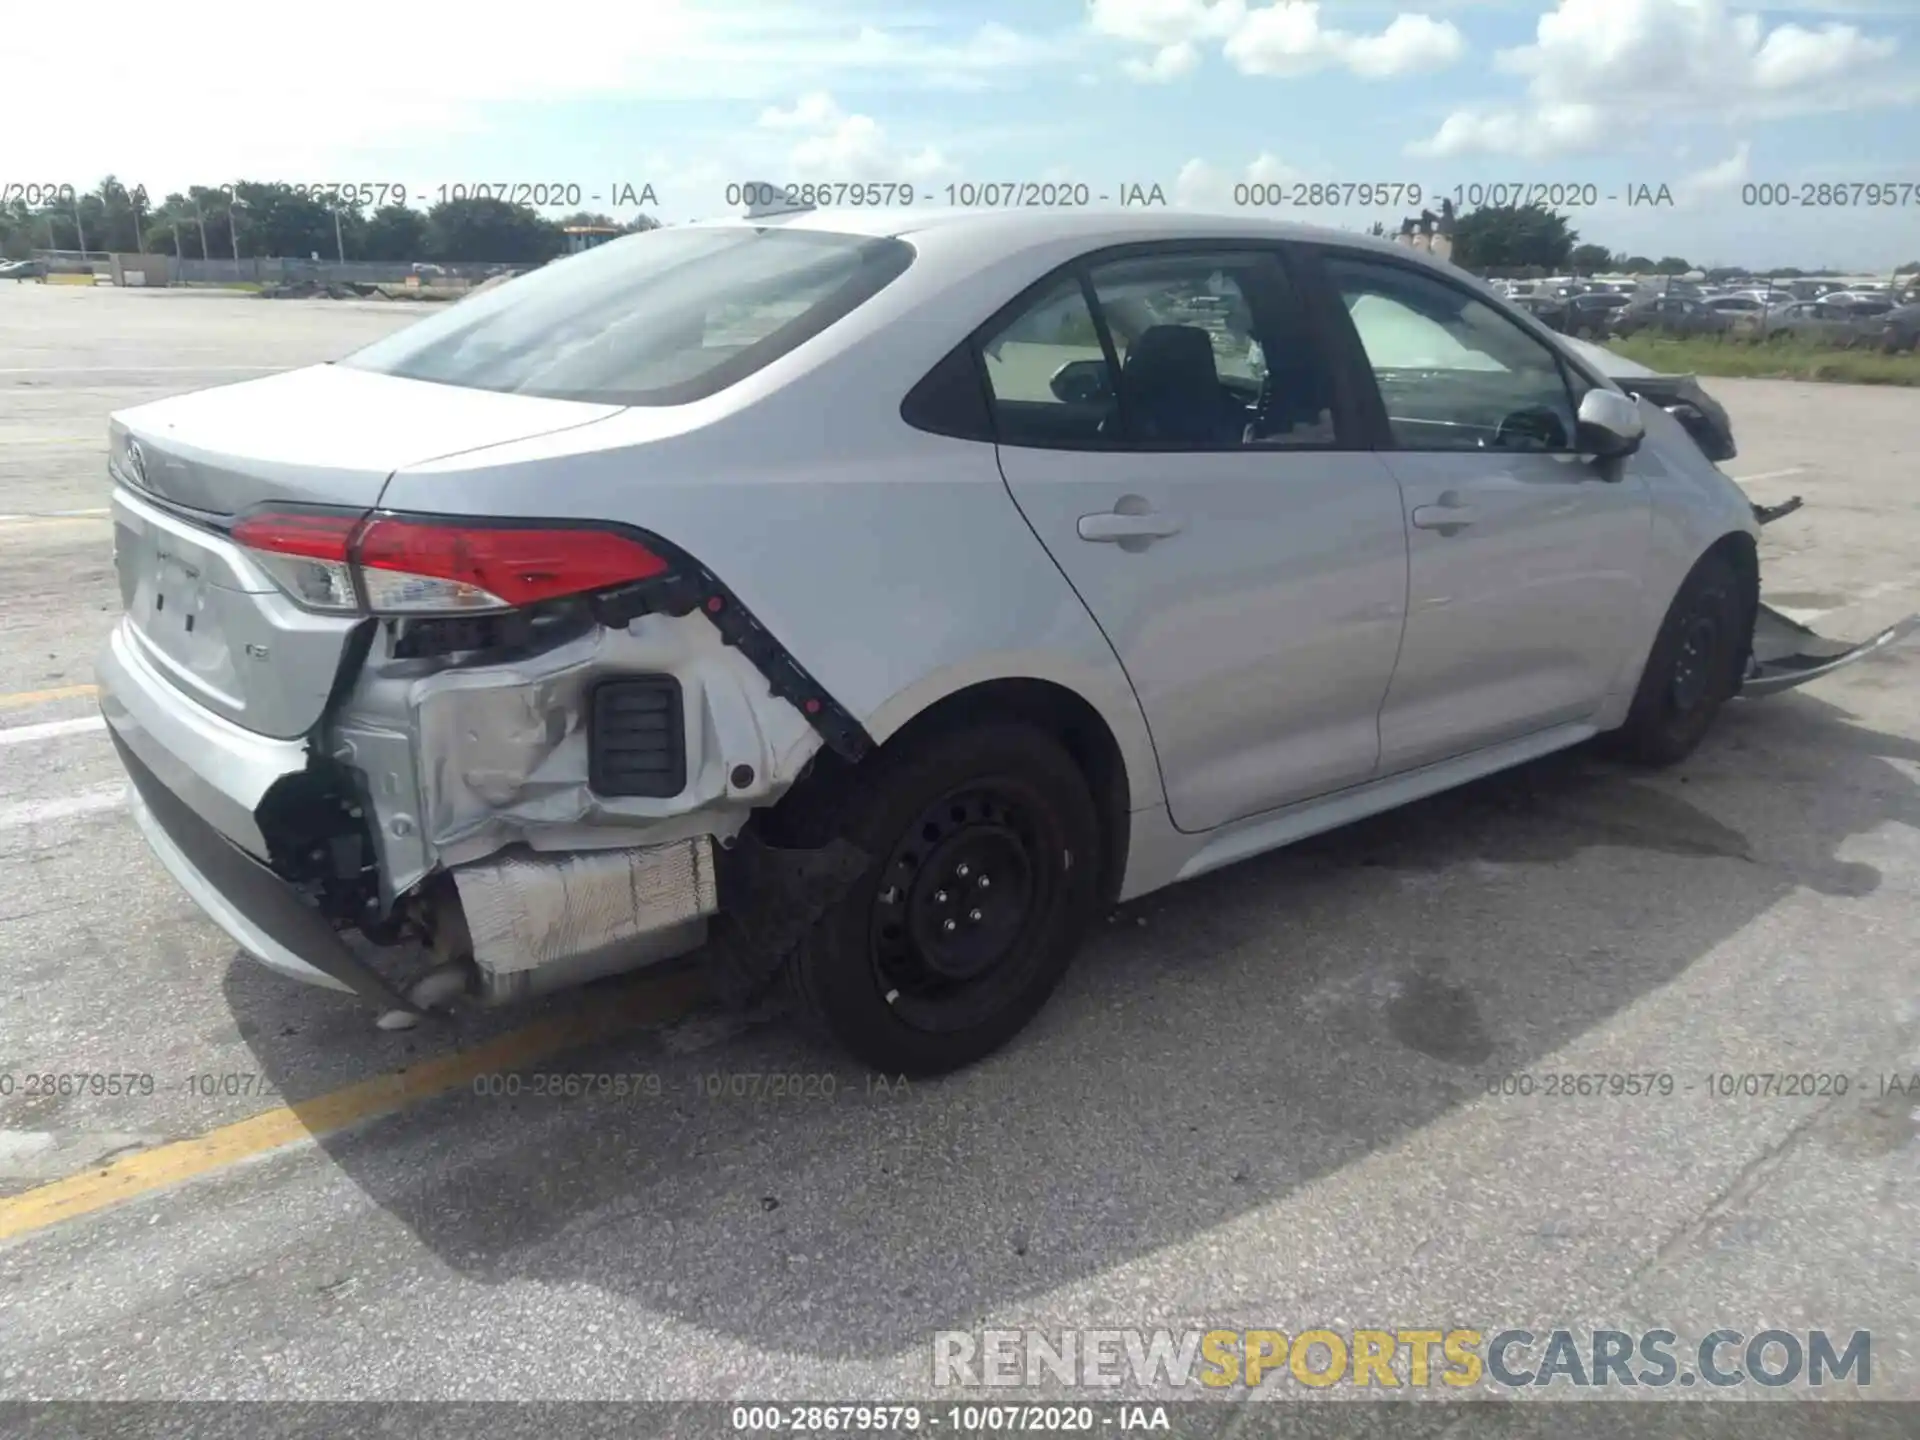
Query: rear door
x,y
1171,430
1524,556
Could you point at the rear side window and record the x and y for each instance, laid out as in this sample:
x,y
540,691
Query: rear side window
x,y
1181,349
660,318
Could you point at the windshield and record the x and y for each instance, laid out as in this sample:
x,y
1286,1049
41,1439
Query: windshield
x,y
659,318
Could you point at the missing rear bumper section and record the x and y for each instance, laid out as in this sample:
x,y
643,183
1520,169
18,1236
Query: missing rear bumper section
x,y
536,923
464,799
462,761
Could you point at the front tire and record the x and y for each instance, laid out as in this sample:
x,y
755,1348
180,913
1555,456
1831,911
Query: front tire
x,y
1693,669
985,854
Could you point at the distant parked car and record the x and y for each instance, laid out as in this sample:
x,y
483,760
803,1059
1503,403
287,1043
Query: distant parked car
x,y
1592,314
22,269
1671,315
1549,309
1810,320
1897,331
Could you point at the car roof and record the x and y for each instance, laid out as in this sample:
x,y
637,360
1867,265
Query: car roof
x,y
1013,229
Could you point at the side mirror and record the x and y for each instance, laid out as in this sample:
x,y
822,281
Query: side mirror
x,y
1610,424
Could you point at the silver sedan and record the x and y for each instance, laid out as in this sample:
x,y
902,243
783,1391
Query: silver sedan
x,y
866,599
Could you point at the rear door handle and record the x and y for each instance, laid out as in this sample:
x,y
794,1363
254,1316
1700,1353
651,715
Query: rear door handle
x,y
1451,514
1112,526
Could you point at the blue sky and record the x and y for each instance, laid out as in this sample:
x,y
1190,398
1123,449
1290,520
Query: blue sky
x,y
1703,96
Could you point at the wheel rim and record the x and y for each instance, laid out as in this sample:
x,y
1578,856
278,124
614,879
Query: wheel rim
x,y
956,906
1693,666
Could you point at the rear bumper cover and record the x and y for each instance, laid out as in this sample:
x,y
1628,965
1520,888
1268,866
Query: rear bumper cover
x,y
220,771
263,915
198,781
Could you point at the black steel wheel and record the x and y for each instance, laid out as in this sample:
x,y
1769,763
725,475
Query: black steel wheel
x,y
1693,668
986,852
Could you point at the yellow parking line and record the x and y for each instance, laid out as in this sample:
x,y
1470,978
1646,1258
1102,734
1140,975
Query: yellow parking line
x,y
654,1000
43,697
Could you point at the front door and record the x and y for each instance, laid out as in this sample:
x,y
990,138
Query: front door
x,y
1525,557
1176,440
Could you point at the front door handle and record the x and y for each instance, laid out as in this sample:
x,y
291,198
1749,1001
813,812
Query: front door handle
x,y
1116,526
1451,514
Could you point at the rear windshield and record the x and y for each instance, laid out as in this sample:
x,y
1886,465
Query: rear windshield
x,y
659,318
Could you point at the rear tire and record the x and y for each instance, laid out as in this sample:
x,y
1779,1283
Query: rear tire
x,y
1693,669
985,854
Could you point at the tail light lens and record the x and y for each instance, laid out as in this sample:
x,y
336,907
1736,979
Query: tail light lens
x,y
397,565
306,555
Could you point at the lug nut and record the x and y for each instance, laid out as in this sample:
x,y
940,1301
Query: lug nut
x,y
939,897
949,927
962,871
974,916
984,883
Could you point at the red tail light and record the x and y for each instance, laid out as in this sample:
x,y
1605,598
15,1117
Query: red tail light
x,y
307,555
395,565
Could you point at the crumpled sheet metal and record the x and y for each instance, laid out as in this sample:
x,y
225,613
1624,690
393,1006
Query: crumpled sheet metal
x,y
463,762
502,751
527,910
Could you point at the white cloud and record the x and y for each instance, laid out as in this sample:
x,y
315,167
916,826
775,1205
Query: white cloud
x,y
1546,130
1287,38
251,92
1714,180
1169,62
1165,22
1412,43
835,146
1598,67
1203,186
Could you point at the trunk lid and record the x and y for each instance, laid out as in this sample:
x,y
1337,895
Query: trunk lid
x,y
201,611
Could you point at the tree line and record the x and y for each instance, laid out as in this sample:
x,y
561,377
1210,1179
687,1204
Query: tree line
x,y
255,218
1533,237
258,218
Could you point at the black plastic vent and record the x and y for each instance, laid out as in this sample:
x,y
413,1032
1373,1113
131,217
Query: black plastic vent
x,y
636,737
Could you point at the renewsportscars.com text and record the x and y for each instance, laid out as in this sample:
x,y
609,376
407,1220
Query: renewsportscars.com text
x,y
1412,1357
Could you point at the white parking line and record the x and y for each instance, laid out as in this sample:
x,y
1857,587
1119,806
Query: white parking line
x,y
1770,474
59,515
126,369
47,730
87,802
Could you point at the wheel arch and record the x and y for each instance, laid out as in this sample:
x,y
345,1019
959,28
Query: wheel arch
x,y
1083,729
1740,550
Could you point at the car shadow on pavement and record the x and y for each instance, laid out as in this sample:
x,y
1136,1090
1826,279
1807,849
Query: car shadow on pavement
x,y
1218,1045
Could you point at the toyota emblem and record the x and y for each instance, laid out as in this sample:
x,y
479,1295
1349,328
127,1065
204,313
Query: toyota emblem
x,y
137,463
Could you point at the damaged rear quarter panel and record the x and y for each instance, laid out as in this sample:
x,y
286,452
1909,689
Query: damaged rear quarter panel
x,y
461,761
892,564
